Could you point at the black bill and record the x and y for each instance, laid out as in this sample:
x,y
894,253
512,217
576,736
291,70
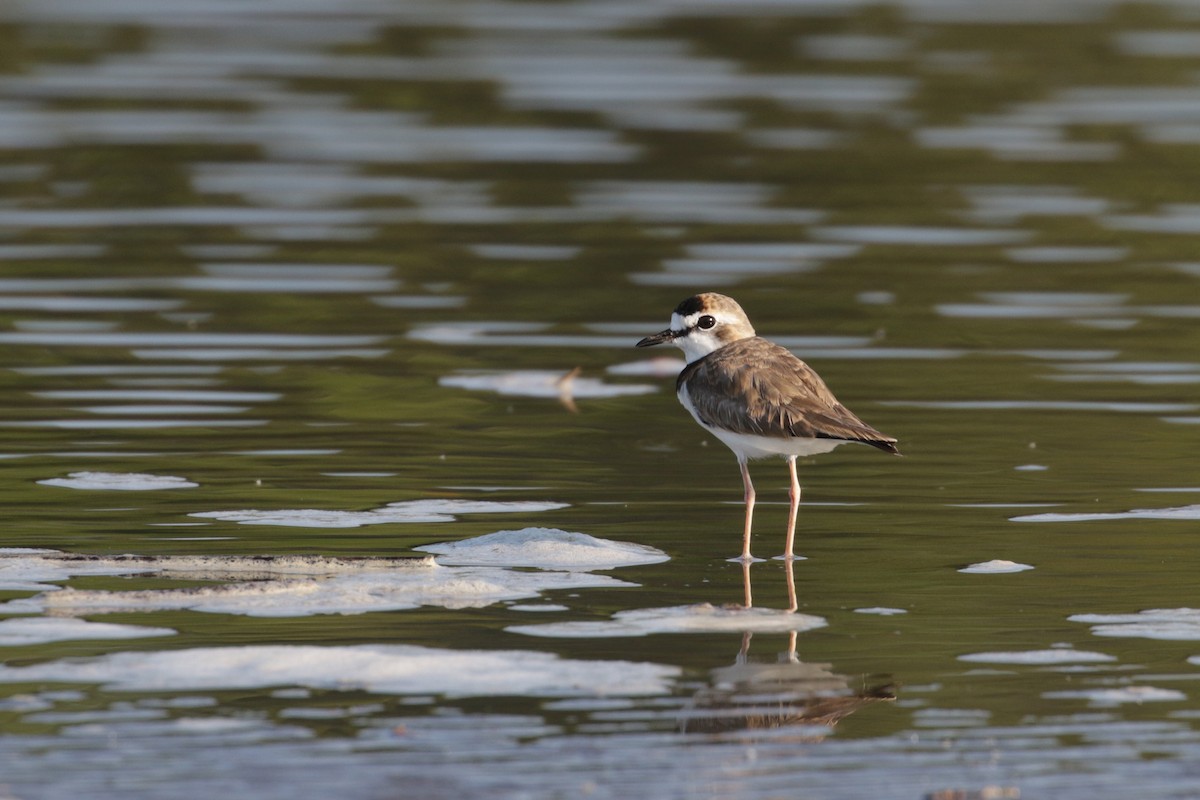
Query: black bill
x,y
659,338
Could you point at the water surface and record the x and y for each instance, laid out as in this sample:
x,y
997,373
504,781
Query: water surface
x,y
292,296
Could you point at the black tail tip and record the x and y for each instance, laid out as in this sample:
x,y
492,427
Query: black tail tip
x,y
886,446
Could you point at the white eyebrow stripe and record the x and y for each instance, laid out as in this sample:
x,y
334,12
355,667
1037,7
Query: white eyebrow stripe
x,y
679,323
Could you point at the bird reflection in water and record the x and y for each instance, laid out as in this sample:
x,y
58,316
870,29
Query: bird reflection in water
x,y
789,572
762,695
752,695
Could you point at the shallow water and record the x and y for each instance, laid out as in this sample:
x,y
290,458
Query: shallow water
x,y
293,296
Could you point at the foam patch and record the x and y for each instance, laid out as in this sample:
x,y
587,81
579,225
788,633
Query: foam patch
x,y
702,618
293,586
20,631
355,593
546,548
35,570
384,669
119,481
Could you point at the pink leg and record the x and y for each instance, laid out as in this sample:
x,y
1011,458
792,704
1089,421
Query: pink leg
x,y
794,497
746,583
749,510
791,589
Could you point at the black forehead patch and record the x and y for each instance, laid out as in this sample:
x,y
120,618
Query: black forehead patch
x,y
689,306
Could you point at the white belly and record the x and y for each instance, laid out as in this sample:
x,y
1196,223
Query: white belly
x,y
748,445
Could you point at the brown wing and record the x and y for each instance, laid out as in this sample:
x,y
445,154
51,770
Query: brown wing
x,y
756,387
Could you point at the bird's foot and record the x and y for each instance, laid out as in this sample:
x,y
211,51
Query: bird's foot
x,y
745,558
789,557
736,607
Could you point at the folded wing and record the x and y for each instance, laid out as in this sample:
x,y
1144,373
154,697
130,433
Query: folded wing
x,y
752,386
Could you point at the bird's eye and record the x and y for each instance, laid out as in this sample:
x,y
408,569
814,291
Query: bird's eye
x,y
705,322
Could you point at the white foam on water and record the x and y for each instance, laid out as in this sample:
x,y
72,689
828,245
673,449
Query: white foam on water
x,y
547,548
351,593
119,481
409,511
258,567
1039,657
35,570
290,586
702,618
996,566
384,669
20,631
542,383
1169,624
32,570
1191,512
1106,698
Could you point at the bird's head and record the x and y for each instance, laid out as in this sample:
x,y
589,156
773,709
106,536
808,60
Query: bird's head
x,y
702,324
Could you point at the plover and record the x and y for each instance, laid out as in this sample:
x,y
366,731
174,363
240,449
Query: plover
x,y
756,397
